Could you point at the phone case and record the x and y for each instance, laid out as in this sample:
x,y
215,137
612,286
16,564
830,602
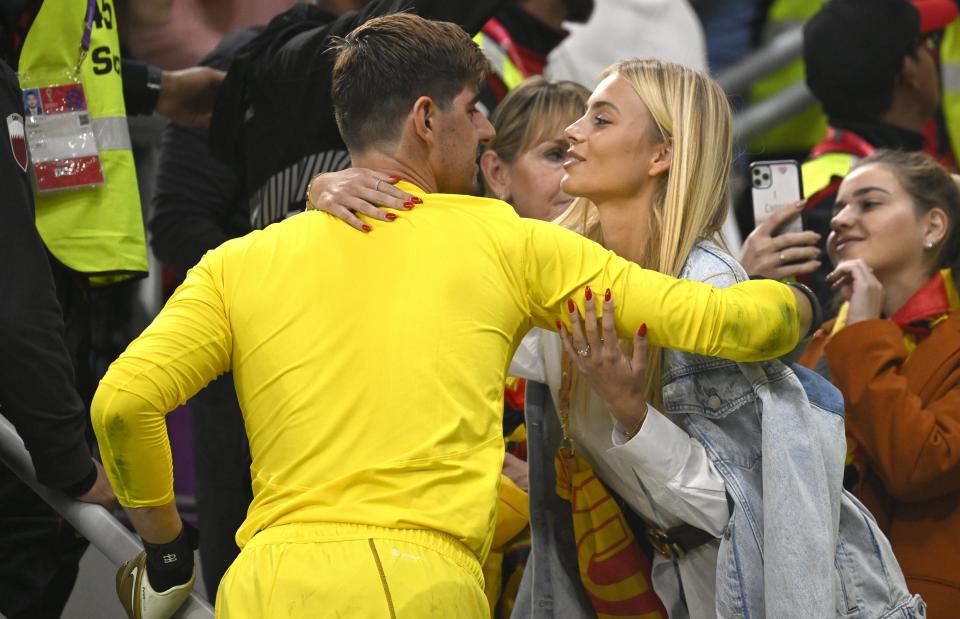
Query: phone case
x,y
774,185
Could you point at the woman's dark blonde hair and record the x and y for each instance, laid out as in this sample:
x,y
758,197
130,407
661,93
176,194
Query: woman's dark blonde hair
x,y
930,186
533,112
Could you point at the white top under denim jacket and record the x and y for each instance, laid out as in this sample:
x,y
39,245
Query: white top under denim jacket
x,y
794,544
662,473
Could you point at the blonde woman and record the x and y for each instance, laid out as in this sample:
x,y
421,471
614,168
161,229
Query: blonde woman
x,y
679,437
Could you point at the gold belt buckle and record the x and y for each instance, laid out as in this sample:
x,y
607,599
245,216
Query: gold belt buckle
x,y
661,542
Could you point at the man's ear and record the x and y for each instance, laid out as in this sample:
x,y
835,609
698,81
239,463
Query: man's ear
x,y
910,70
424,117
496,174
662,158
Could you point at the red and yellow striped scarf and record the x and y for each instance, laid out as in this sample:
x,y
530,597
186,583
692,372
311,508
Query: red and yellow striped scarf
x,y
613,569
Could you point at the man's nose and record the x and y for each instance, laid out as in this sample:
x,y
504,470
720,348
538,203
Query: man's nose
x,y
486,130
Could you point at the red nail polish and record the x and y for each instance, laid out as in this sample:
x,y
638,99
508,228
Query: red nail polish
x,y
606,296
396,178
559,326
588,294
367,228
570,305
408,205
390,216
416,200
642,331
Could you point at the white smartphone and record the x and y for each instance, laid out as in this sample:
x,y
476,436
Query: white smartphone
x,y
774,185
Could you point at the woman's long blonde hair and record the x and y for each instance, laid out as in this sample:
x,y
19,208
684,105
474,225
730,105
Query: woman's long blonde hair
x,y
692,198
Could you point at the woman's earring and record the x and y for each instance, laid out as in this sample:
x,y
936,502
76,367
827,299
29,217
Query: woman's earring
x,y
928,245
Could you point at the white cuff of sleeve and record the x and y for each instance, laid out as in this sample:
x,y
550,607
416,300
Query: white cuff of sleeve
x,y
659,450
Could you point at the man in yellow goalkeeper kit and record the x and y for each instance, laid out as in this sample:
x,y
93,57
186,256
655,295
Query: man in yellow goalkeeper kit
x,y
370,370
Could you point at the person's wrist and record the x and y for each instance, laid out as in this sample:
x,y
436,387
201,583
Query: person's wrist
x,y
855,315
631,416
816,310
154,88
309,203
84,485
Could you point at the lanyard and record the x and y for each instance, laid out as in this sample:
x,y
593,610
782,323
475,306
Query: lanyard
x,y
838,141
496,31
87,31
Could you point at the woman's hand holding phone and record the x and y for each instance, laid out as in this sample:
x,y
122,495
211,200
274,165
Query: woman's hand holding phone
x,y
779,256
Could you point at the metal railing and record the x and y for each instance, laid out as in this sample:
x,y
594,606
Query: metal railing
x,y
760,117
780,51
92,521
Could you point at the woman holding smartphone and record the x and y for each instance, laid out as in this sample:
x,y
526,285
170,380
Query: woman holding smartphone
x,y
894,352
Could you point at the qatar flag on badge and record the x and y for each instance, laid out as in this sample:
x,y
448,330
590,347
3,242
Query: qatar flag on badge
x,y
18,142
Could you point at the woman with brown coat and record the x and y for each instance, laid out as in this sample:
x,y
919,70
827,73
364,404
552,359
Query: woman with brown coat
x,y
894,352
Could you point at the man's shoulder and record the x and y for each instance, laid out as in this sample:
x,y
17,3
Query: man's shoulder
x,y
461,199
486,208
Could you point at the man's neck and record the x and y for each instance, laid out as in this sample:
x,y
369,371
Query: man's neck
x,y
903,113
549,13
419,175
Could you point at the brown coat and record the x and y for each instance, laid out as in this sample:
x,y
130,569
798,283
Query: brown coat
x,y
904,413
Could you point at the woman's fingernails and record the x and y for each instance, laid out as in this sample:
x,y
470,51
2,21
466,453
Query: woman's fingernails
x,y
416,200
390,216
366,228
408,205
570,305
588,294
396,178
559,326
606,296
642,331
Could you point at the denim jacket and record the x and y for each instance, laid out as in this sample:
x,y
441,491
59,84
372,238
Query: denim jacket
x,y
797,544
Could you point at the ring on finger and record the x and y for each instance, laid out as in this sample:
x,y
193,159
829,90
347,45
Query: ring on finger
x,y
585,351
377,186
782,258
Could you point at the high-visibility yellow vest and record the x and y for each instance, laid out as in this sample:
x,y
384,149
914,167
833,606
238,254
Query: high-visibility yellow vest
x,y
96,231
820,171
950,83
802,131
508,72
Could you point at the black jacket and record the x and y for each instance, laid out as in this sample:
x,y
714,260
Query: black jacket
x,y
37,379
197,203
273,122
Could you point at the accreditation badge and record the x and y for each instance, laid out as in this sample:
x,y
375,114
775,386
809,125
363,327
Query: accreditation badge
x,y
61,138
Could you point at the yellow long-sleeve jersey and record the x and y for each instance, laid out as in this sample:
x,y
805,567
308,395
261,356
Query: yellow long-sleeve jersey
x,y
370,367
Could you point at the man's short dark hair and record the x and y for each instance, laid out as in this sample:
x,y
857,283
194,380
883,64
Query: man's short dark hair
x,y
387,63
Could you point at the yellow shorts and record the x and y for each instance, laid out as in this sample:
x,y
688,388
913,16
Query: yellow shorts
x,y
343,570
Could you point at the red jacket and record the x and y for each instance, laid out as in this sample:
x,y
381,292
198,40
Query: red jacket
x,y
904,414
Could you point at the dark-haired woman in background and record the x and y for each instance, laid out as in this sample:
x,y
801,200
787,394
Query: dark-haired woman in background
x,y
894,352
